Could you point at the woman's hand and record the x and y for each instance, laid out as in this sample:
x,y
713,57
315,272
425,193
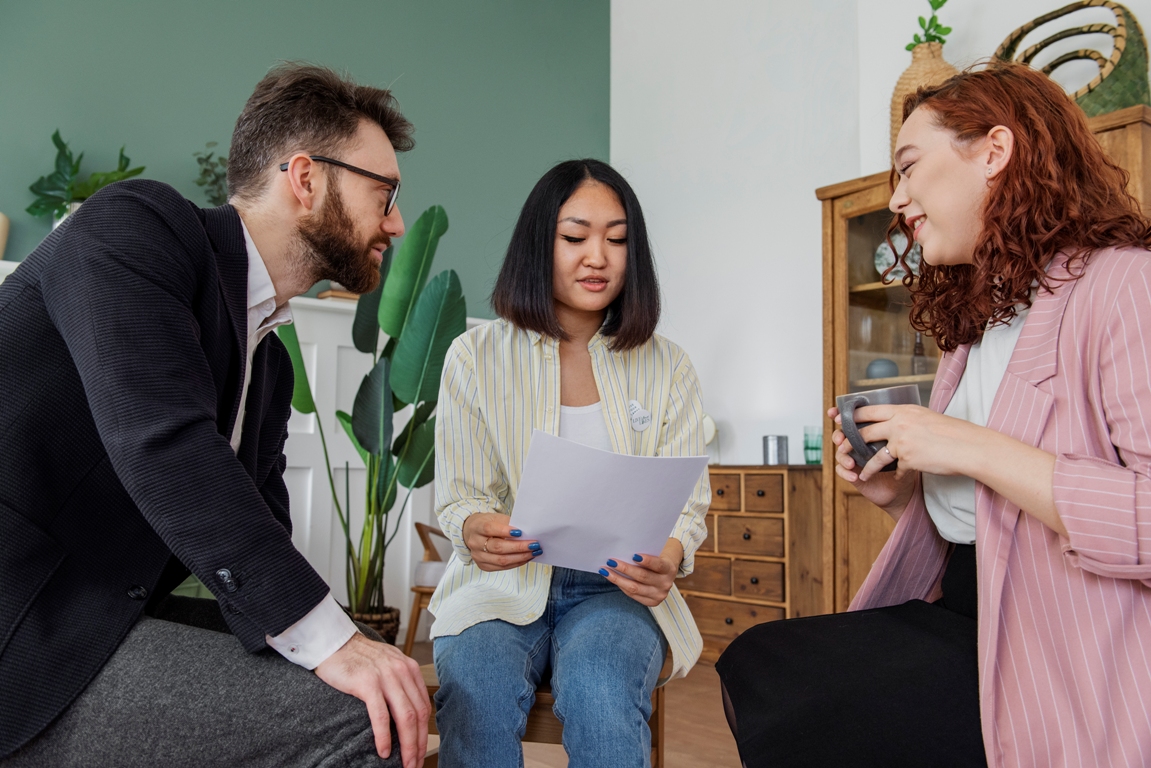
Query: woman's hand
x,y
495,545
647,579
925,441
921,439
891,491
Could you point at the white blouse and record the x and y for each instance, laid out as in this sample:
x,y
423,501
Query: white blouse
x,y
951,499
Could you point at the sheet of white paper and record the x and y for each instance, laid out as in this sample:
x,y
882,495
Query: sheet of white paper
x,y
585,505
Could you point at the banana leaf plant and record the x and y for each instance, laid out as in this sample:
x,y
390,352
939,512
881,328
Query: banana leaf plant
x,y
420,322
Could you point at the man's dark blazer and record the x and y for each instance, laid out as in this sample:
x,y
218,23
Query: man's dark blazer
x,y
122,353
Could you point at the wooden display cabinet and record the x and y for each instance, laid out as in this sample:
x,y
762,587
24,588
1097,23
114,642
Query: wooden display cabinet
x,y
863,319
763,558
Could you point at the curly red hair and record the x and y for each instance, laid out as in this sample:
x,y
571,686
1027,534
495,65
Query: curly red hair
x,y
1058,192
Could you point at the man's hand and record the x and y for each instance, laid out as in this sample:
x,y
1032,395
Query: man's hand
x,y
387,681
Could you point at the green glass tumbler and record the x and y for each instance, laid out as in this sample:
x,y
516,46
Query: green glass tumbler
x,y
813,445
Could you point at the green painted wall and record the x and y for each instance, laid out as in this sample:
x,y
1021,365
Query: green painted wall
x,y
499,90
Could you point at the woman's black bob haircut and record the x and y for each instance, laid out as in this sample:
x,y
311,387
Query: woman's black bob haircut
x,y
523,291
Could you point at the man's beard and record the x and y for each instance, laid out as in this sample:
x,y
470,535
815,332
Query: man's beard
x,y
328,237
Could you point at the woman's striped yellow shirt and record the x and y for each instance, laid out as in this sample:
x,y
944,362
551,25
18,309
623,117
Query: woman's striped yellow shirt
x,y
499,383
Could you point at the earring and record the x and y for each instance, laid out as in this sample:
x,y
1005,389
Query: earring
x,y
989,170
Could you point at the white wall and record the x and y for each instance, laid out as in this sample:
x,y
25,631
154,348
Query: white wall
x,y
726,117
978,27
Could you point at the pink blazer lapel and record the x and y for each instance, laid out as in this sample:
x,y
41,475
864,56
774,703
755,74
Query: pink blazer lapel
x,y
947,377
1036,353
1021,408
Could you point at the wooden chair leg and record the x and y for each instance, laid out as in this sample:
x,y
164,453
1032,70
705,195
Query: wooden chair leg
x,y
413,622
657,732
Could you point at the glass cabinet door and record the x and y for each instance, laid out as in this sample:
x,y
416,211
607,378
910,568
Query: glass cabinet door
x,y
882,349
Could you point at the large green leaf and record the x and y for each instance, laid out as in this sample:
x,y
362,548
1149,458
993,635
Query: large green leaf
x,y
301,391
385,489
345,420
420,415
417,467
372,411
439,317
365,326
412,265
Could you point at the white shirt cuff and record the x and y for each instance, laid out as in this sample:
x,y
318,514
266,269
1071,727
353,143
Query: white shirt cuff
x,y
318,635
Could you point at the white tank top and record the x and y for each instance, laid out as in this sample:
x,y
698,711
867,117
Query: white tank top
x,y
584,424
951,499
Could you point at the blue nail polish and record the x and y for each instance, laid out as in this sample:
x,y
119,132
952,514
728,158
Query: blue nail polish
x,y
637,558
534,546
517,532
537,552
603,571
612,564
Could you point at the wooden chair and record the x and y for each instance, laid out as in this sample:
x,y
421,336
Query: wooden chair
x,y
422,593
543,725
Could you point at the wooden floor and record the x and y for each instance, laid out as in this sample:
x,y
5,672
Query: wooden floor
x,y
697,733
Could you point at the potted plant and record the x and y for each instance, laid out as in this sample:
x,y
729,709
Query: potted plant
x,y
61,192
420,323
213,175
927,65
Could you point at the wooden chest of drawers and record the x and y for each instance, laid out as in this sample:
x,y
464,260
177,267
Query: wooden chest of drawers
x,y
763,558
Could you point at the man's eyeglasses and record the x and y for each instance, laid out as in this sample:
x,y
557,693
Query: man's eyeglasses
x,y
393,183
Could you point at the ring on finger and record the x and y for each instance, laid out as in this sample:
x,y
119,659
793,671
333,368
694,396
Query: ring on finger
x,y
486,544
887,451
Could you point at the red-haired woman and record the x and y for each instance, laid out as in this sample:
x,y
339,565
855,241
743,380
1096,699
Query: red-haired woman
x,y
1008,618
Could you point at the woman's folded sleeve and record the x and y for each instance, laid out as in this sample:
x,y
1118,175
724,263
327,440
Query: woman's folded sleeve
x,y
1106,506
682,435
468,479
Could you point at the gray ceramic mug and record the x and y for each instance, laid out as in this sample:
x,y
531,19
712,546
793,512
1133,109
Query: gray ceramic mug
x,y
908,394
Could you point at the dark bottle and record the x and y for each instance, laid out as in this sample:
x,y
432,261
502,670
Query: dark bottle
x,y
918,358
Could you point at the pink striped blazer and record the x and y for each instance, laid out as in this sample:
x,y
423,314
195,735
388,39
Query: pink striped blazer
x,y
1064,623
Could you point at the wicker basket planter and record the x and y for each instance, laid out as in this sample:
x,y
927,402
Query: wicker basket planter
x,y
386,623
927,68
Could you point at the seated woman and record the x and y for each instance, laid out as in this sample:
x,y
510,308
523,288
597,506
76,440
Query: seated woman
x,y
575,348
1008,618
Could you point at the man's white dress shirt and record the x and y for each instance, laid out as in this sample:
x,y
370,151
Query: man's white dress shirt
x,y
325,628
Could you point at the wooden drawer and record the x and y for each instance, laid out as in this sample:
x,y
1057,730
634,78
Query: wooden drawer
x,y
759,581
711,574
725,619
709,543
751,536
724,492
763,493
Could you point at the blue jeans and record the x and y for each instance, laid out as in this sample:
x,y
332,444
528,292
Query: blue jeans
x,y
605,652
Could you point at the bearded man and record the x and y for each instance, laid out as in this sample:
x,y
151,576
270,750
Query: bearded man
x,y
143,411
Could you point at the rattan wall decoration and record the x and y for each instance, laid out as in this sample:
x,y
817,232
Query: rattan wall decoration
x,y
1122,78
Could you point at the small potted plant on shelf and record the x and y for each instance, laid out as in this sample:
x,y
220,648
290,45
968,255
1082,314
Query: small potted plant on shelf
x,y
420,323
61,192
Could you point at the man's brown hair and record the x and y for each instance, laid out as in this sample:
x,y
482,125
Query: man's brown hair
x,y
302,107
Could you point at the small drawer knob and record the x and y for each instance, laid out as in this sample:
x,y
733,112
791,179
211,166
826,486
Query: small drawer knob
x,y
759,492
718,491
754,579
728,620
746,536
